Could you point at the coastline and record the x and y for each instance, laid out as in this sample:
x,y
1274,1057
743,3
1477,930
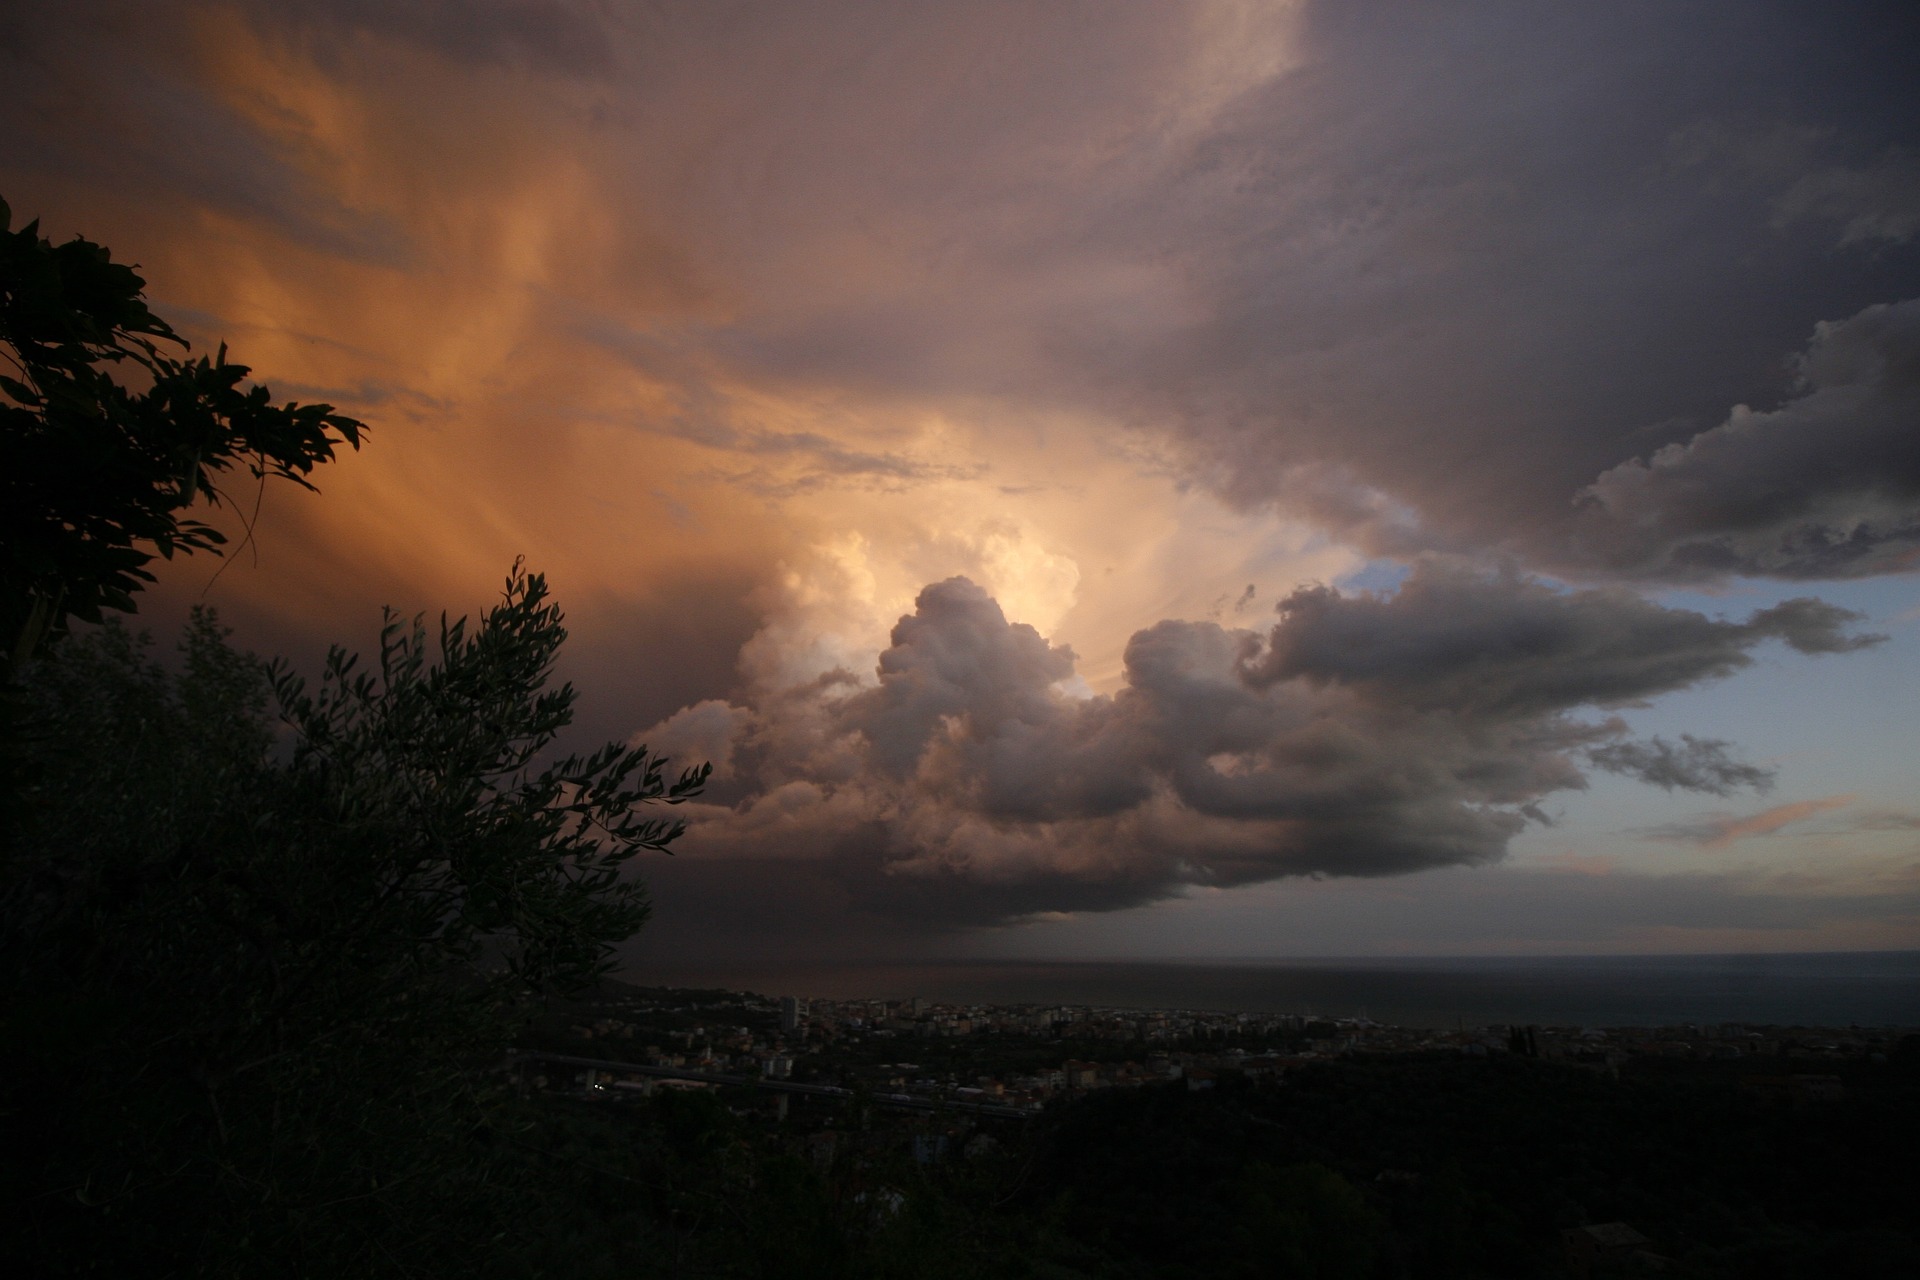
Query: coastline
x,y
1868,988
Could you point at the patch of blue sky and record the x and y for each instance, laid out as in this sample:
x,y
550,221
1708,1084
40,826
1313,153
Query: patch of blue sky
x,y
1381,576
1829,725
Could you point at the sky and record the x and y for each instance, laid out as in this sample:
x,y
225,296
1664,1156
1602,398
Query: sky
x,y
1178,479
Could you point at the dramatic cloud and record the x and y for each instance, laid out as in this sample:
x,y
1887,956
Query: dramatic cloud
x,y
1454,637
1825,486
746,321
1434,320
1362,735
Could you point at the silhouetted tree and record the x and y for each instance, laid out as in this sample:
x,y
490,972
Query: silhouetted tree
x,y
255,981
106,442
261,945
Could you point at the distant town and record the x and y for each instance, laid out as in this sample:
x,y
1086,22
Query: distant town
x,y
1098,1136
1022,1057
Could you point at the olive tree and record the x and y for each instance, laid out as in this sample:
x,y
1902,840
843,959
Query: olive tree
x,y
263,943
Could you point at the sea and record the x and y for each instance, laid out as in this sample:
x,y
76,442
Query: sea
x,y
1837,989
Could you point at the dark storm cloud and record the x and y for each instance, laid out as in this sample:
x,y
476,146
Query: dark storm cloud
x,y
1425,278
1813,626
1467,263
1457,637
1825,486
85,107
550,35
1362,735
1444,273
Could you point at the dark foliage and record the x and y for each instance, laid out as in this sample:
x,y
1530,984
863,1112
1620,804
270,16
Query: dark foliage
x,y
1452,1168
1390,1170
257,978
105,441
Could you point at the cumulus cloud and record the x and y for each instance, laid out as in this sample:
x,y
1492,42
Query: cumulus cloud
x,y
1360,735
1825,486
704,731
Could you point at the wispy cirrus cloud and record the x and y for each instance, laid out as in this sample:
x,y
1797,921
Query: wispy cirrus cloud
x,y
1886,820
1720,830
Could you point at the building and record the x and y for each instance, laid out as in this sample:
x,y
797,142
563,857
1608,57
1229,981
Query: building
x,y
1082,1075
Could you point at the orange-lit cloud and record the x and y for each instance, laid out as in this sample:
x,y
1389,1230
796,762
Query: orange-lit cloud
x,y
565,290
